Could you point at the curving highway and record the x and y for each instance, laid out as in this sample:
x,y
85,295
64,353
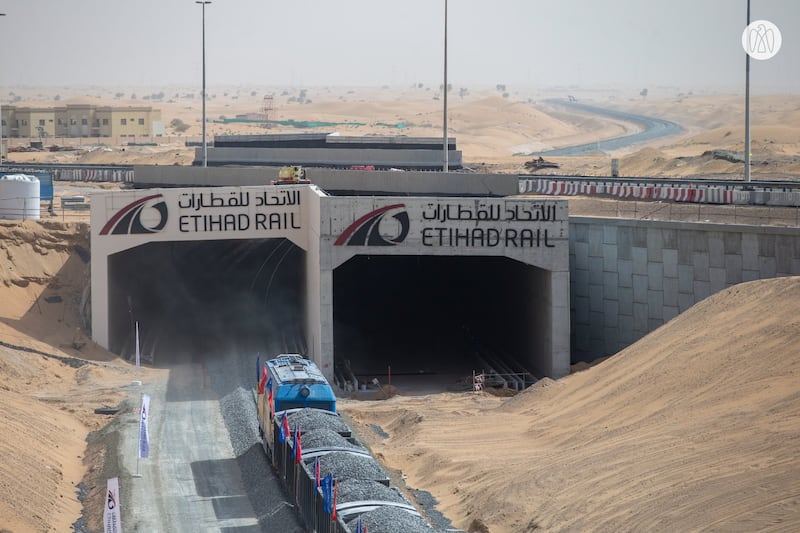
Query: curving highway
x,y
652,128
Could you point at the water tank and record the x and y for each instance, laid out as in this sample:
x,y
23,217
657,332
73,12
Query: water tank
x,y
19,197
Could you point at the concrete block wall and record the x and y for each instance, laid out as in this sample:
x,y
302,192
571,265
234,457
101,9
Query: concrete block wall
x,y
628,277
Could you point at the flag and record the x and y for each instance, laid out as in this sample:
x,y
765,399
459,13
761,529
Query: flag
x,y
138,354
335,493
327,493
286,425
263,381
112,516
298,451
316,471
282,433
144,434
269,398
296,446
359,526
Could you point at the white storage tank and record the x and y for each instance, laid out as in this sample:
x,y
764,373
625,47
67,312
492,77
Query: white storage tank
x,y
19,197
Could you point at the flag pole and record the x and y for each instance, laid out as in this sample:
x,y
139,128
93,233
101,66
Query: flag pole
x,y
139,440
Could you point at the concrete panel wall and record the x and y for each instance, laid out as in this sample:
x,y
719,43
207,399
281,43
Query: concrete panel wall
x,y
628,277
384,182
341,157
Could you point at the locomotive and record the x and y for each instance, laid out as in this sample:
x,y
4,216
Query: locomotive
x,y
335,483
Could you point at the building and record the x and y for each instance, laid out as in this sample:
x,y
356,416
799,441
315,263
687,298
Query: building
x,y
81,120
331,150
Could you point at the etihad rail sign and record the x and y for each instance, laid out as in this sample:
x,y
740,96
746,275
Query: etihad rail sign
x,y
203,213
532,228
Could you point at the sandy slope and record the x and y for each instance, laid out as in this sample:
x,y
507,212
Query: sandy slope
x,y
695,427
48,394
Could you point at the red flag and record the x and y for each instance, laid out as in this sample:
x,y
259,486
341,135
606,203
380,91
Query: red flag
x,y
335,492
317,470
285,423
263,381
298,452
269,398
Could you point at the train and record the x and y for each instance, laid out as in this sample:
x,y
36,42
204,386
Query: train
x,y
335,483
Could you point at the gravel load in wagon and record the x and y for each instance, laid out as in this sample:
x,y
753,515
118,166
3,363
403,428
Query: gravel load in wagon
x,y
345,465
309,419
356,490
327,438
391,520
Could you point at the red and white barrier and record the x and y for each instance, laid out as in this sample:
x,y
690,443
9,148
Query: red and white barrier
x,y
690,193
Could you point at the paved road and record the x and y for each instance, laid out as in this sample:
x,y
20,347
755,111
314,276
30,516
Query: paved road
x,y
652,128
195,480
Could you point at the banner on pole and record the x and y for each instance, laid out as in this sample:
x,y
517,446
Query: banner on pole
x,y
138,353
112,517
144,434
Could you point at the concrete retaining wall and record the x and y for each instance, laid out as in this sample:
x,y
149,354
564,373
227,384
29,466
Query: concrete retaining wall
x,y
364,181
628,277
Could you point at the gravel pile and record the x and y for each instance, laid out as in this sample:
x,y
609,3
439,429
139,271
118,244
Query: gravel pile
x,y
353,490
239,410
231,379
345,465
327,438
391,520
309,419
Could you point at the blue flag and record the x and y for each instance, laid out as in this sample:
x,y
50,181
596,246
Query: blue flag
x,y
359,527
327,493
282,432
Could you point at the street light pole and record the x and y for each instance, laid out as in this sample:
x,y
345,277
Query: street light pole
x,y
444,126
205,143
2,152
747,109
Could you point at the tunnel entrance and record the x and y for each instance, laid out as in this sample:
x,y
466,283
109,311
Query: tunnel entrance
x,y
443,315
192,298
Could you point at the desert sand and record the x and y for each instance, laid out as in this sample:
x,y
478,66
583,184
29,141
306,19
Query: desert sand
x,y
497,132
694,427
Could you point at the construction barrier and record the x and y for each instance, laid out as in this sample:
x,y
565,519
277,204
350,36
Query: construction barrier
x,y
689,193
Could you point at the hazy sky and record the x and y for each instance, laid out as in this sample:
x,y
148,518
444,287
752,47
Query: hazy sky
x,y
688,44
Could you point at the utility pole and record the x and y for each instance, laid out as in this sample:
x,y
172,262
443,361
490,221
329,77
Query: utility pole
x,y
444,127
205,143
747,108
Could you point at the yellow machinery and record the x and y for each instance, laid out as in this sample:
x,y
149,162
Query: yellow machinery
x,y
291,175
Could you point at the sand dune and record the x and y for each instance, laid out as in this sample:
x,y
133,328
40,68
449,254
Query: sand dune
x,y
692,428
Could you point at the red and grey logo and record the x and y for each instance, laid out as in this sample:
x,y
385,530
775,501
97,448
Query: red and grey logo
x,y
111,500
387,226
145,215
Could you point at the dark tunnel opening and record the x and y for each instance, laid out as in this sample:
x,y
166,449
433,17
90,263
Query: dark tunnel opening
x,y
194,298
443,315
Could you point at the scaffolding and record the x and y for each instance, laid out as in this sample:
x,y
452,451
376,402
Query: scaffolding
x,y
266,109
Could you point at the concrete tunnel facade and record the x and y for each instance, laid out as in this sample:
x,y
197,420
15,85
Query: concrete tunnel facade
x,y
379,280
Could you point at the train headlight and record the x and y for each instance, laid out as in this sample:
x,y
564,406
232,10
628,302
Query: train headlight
x,y
304,392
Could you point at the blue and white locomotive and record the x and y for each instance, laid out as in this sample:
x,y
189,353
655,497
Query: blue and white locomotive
x,y
329,473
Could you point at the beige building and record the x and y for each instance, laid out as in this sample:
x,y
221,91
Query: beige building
x,y
82,120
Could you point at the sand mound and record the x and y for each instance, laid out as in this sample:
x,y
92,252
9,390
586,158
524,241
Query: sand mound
x,y
693,427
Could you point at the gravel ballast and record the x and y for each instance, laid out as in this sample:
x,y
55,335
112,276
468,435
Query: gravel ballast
x,y
391,520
